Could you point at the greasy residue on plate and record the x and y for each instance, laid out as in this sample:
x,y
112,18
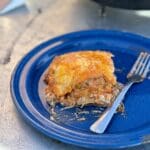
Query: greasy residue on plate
x,y
79,114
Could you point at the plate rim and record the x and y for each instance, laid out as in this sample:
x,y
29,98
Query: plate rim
x,y
32,121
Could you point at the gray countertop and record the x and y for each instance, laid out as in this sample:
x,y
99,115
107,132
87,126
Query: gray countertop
x,y
20,31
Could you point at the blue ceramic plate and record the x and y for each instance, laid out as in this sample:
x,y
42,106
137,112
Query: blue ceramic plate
x,y
70,126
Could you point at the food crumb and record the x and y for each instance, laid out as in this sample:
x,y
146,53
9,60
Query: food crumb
x,y
81,119
96,111
83,112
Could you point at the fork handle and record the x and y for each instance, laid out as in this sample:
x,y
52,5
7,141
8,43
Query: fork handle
x,y
101,124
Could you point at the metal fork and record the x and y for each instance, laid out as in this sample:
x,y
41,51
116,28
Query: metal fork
x,y
137,74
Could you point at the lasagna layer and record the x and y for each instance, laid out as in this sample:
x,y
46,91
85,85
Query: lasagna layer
x,y
81,78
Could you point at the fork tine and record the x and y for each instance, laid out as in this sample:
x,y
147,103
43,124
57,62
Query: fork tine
x,y
144,64
140,65
135,64
146,70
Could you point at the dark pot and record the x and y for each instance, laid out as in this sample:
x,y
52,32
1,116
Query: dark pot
x,y
126,4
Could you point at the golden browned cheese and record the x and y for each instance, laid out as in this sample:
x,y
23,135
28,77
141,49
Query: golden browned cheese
x,y
68,70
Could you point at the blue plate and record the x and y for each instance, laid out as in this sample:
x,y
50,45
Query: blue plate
x,y
70,126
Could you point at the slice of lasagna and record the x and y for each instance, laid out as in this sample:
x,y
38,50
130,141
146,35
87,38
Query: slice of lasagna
x,y
81,78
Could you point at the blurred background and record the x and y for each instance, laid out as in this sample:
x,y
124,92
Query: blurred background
x,y
22,20
26,23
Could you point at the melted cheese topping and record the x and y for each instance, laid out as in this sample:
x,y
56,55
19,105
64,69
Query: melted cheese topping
x,y
68,70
